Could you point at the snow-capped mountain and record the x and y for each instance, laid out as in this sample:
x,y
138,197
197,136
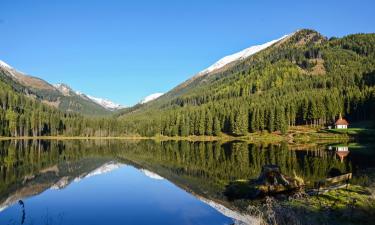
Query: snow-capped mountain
x,y
238,217
106,168
64,89
61,184
152,175
4,65
24,79
106,103
151,98
10,69
68,91
240,55
60,96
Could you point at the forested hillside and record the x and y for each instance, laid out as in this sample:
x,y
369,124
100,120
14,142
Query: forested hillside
x,y
303,79
22,115
67,101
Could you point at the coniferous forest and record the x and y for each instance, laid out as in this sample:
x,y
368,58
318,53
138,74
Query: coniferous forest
x,y
305,79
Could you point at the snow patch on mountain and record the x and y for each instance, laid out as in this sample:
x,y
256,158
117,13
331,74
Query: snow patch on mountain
x,y
106,168
14,73
68,91
240,55
151,175
238,217
61,184
151,98
4,65
64,89
106,103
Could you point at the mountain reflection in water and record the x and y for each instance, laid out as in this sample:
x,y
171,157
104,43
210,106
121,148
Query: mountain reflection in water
x,y
202,169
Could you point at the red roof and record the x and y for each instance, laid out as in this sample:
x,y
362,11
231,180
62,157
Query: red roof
x,y
342,154
341,122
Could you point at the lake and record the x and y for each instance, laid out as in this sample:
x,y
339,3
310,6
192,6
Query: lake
x,y
147,182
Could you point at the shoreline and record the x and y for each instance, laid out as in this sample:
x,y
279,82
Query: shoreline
x,y
293,136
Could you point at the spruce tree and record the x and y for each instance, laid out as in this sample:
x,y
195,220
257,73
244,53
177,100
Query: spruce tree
x,y
216,127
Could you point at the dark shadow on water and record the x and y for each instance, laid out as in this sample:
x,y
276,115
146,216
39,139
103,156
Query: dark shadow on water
x,y
22,204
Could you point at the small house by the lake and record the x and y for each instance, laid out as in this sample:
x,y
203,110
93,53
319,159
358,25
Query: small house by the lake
x,y
341,123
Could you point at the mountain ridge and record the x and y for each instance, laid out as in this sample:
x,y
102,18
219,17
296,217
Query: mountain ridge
x,y
212,70
60,96
303,79
151,97
242,55
68,91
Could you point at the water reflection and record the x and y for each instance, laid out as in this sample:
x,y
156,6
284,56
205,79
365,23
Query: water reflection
x,y
22,204
29,168
342,151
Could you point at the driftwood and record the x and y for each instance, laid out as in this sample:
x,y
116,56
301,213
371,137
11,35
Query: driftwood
x,y
341,181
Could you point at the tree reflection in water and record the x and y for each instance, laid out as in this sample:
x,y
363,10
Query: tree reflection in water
x,y
27,167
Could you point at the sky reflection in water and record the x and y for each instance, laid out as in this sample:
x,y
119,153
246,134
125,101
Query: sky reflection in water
x,y
122,196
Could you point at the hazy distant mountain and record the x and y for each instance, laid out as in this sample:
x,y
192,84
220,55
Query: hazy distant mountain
x,y
60,96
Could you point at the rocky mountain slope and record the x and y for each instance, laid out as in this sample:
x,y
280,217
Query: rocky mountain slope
x,y
59,96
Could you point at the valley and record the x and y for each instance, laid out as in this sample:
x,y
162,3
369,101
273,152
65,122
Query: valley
x,y
267,91
187,112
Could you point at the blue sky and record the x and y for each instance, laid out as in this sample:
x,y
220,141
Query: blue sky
x,y
126,50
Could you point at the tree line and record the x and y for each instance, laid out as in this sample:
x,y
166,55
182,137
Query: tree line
x,y
308,80
286,86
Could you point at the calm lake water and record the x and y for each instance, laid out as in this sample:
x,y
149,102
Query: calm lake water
x,y
147,182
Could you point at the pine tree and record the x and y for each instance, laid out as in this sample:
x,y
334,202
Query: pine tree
x,y
216,127
209,124
201,123
240,123
12,118
271,123
183,128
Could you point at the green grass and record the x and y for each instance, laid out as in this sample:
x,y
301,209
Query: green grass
x,y
355,205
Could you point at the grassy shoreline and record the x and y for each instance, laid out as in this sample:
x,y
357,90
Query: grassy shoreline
x,y
354,205
299,134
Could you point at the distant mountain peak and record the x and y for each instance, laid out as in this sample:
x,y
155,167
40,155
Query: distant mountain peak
x,y
151,98
105,168
106,103
4,65
151,174
64,89
241,55
11,71
62,85
60,95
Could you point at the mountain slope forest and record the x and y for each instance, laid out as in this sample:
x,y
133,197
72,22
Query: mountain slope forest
x,y
61,97
21,115
303,79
